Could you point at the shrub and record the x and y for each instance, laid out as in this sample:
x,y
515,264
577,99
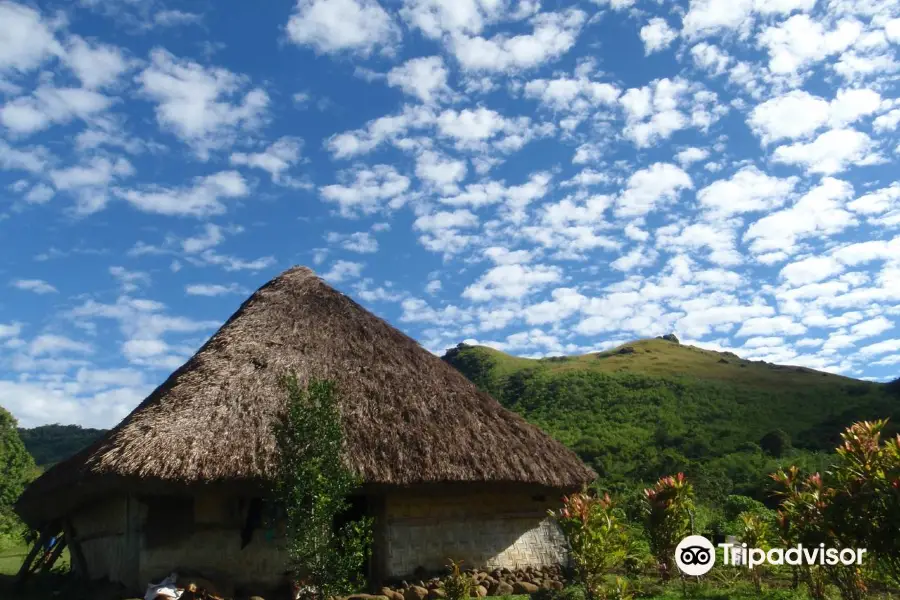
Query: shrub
x,y
313,486
668,507
458,585
598,541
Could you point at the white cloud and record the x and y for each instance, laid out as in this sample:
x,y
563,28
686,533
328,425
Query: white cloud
x,y
511,282
213,289
211,237
571,95
38,286
130,281
50,344
50,105
710,58
32,160
819,212
881,348
872,327
96,65
800,41
887,121
657,35
553,35
176,18
26,40
425,78
877,202
367,190
650,187
202,198
656,111
361,241
830,153
343,270
330,26
798,114
770,326
441,171
446,220
710,16
99,172
810,270
205,107
689,156
276,160
379,131
748,190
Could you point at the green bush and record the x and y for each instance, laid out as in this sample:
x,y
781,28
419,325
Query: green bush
x,y
313,487
458,585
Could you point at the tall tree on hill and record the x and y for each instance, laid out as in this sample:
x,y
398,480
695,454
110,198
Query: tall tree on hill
x,y
16,470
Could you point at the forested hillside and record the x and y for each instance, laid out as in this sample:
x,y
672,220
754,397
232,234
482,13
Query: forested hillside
x,y
49,444
654,407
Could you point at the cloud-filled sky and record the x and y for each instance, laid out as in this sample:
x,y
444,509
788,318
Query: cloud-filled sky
x,y
544,177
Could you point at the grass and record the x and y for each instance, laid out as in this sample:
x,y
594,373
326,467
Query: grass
x,y
661,358
11,557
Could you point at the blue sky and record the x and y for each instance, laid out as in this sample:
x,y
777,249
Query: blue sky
x,y
543,177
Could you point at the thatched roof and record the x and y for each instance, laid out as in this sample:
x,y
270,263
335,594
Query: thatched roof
x,y
408,417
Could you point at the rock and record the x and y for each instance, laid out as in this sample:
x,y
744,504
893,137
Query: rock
x,y
392,594
436,594
480,591
626,350
503,589
488,580
524,587
556,585
365,597
415,592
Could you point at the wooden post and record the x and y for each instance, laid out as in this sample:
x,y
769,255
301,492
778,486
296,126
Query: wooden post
x,y
54,554
25,570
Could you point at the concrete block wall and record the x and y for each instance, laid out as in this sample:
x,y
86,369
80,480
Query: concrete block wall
x,y
482,530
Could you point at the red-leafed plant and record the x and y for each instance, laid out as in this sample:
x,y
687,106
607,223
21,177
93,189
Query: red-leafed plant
x,y
667,506
598,542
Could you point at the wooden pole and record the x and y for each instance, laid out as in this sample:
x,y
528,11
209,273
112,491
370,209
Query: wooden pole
x,y
54,554
25,570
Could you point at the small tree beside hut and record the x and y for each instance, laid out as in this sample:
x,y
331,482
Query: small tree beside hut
x,y
313,487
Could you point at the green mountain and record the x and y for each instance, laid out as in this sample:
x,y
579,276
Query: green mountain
x,y
49,444
653,407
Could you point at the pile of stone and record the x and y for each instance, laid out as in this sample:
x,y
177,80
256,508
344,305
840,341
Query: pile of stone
x,y
497,582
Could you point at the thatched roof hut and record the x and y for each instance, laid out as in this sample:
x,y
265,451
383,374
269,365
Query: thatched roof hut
x,y
410,420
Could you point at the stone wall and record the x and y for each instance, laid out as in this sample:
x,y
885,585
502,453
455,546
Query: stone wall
x,y
484,530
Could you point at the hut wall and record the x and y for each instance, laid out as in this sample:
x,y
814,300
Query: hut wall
x,y
108,532
485,529
206,542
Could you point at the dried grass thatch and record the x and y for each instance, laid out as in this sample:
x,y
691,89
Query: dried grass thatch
x,y
409,418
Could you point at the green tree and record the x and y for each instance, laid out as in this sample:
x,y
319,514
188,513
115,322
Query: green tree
x,y
313,487
776,443
16,470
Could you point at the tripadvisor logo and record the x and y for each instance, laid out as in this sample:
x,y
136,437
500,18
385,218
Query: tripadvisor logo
x,y
695,555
